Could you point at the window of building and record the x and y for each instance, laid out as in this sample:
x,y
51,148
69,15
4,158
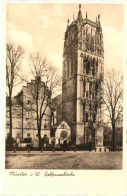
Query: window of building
x,y
28,101
45,126
97,67
8,124
84,85
18,114
55,117
29,125
87,67
86,117
18,124
87,93
8,114
93,70
84,107
27,114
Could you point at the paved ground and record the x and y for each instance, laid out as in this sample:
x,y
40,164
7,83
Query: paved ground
x,y
64,160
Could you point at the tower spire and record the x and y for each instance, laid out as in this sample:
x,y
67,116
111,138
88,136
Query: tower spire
x,y
68,22
79,13
79,7
98,17
99,24
86,15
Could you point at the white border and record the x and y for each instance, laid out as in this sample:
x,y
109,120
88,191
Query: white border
x,y
86,182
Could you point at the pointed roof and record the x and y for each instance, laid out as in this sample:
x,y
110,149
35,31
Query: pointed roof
x,y
79,17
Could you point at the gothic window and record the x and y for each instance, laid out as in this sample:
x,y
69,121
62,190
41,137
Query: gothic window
x,y
55,117
93,67
83,107
86,117
96,67
89,39
92,44
87,93
88,42
87,67
98,51
84,85
84,63
97,39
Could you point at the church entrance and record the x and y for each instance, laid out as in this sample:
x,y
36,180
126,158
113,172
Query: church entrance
x,y
89,138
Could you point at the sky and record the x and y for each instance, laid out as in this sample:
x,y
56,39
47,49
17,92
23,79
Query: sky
x,y
41,27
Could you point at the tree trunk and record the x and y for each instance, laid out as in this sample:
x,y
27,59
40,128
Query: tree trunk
x,y
39,137
113,139
10,111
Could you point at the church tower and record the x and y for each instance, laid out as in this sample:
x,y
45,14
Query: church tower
x,y
83,72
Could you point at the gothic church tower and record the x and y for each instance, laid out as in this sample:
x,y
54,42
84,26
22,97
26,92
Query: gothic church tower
x,y
83,71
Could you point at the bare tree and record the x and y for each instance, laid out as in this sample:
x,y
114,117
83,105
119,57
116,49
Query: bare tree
x,y
47,83
112,99
14,55
95,120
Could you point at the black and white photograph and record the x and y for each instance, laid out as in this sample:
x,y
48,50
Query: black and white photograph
x,y
64,86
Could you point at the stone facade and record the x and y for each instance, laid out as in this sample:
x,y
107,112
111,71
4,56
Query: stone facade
x,y
83,71
24,114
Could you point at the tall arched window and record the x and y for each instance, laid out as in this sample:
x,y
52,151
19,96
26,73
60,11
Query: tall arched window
x,y
97,67
84,85
93,67
87,67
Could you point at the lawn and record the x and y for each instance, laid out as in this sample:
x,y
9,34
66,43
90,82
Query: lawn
x,y
64,160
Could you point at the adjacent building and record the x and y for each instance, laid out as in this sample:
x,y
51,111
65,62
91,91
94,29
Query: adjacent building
x,y
24,113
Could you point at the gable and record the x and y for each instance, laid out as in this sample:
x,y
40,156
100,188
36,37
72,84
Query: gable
x,y
63,125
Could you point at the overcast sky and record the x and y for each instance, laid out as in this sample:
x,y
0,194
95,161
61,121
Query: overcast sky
x,y
41,27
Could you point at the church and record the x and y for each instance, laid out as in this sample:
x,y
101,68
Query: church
x,y
79,119
83,72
